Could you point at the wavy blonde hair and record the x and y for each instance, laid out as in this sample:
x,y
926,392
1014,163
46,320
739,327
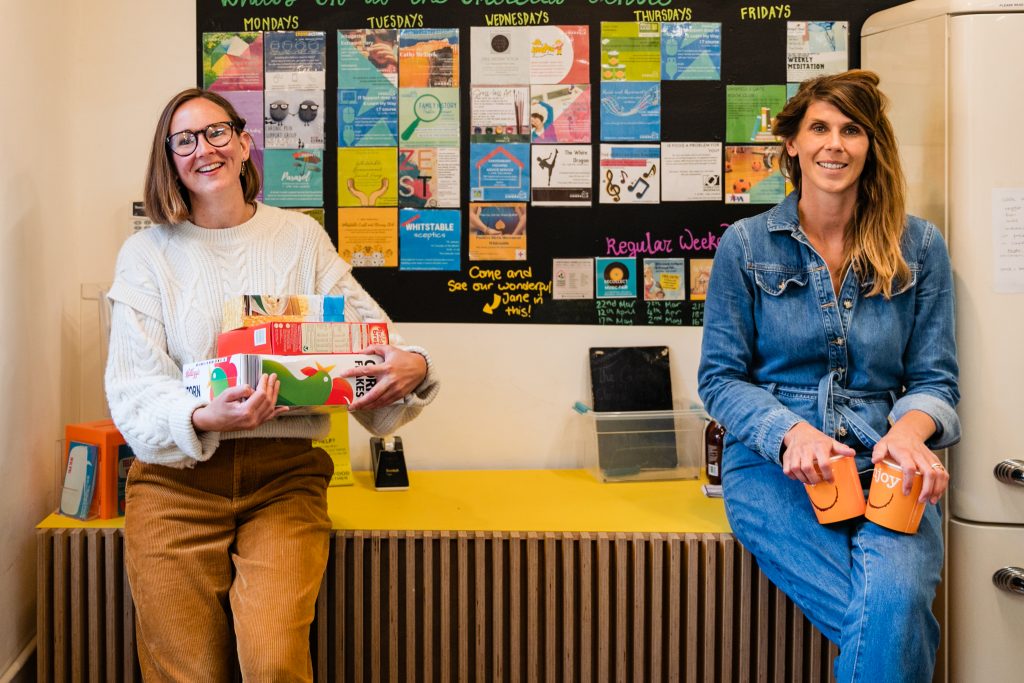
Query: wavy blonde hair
x,y
167,201
879,217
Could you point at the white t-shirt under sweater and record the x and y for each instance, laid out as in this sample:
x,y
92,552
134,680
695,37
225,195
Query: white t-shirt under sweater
x,y
168,296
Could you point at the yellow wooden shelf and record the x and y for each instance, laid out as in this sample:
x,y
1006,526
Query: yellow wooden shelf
x,y
509,500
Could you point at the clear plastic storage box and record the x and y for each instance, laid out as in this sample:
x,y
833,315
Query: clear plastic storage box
x,y
644,445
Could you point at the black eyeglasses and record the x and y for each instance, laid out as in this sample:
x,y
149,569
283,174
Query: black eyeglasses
x,y
184,142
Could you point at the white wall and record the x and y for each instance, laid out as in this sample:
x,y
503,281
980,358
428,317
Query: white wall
x,y
83,85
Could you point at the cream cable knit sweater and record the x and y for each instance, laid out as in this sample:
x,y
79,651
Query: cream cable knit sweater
x,y
168,296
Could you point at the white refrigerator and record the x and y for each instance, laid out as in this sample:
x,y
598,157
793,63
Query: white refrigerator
x,y
954,72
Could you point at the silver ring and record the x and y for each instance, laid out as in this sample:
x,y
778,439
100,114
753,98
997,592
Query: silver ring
x,y
937,466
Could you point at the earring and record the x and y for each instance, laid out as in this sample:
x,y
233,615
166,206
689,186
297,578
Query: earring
x,y
241,173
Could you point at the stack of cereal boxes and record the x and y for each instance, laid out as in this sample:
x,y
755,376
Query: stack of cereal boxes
x,y
303,339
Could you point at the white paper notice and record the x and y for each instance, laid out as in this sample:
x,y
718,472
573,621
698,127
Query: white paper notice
x,y
573,278
692,171
1008,239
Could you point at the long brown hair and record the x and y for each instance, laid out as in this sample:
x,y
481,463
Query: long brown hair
x,y
879,218
167,201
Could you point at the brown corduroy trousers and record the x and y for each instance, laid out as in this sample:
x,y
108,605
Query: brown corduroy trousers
x,y
225,560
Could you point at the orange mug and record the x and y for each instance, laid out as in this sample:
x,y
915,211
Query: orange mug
x,y
887,506
839,499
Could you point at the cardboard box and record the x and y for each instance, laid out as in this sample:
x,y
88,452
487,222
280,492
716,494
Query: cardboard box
x,y
289,339
308,382
112,458
254,309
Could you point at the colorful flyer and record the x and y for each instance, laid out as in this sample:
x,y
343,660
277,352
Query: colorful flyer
x,y
560,113
294,119
293,177
629,174
367,58
497,232
615,277
498,113
428,117
295,60
692,171
664,279
499,173
750,112
816,48
233,61
368,117
499,55
572,278
368,237
367,176
700,276
630,51
752,175
691,51
249,105
428,177
428,58
559,55
630,112
429,239
561,175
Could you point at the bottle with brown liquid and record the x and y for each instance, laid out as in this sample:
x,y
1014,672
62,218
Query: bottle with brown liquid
x,y
714,436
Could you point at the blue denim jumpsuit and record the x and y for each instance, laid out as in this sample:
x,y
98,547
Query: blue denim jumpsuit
x,y
779,347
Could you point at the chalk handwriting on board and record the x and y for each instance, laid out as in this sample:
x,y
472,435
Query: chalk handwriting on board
x,y
665,312
616,311
517,19
697,314
677,14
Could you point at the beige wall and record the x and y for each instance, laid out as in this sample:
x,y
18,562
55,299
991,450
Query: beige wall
x,y
73,155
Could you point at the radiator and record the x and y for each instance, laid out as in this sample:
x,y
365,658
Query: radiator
x,y
487,606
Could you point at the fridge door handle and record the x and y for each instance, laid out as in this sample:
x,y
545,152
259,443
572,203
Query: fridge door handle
x,y
1010,579
1010,472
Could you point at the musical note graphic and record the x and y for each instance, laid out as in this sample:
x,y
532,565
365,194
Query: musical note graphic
x,y
613,190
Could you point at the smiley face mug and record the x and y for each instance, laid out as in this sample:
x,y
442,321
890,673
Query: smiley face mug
x,y
839,499
887,506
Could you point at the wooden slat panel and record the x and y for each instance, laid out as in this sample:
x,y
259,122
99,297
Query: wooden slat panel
x,y
463,639
691,602
428,637
444,604
398,606
95,637
499,627
726,582
481,545
78,606
551,605
375,644
533,603
656,619
603,646
570,624
358,605
586,608
620,572
638,619
676,633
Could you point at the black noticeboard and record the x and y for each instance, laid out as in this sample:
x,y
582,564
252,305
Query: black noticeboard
x,y
672,241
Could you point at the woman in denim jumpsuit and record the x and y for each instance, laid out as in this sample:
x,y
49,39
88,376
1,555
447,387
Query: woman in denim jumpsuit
x,y
829,331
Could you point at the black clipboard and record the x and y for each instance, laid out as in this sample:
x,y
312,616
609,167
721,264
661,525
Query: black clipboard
x,y
633,378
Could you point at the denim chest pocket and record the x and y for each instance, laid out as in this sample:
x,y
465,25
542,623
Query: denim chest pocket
x,y
775,282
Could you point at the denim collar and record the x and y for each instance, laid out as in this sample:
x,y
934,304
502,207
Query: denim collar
x,y
784,215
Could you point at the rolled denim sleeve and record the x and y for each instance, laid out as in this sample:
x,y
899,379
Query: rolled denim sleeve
x,y
748,412
930,364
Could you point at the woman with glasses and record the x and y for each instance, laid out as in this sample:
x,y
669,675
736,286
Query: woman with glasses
x,y
226,528
828,333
